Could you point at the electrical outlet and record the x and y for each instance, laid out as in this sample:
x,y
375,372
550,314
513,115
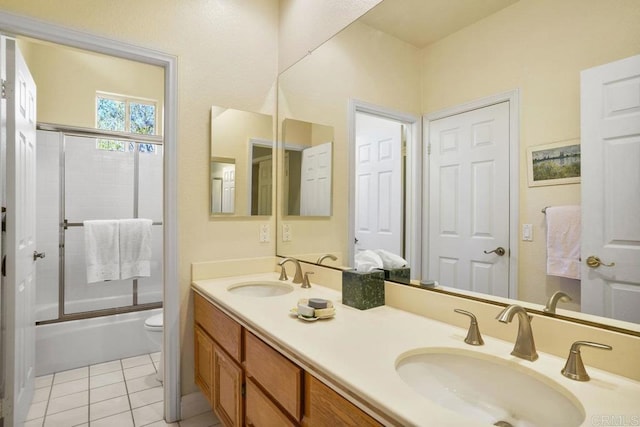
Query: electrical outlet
x,y
527,232
286,232
264,233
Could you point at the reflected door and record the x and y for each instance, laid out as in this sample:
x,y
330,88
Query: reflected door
x,y
469,200
315,181
229,189
20,281
610,128
379,209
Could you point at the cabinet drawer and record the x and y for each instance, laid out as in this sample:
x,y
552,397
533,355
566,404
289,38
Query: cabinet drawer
x,y
281,378
325,407
261,411
223,329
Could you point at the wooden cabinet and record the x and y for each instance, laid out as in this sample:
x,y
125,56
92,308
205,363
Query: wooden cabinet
x,y
204,363
261,411
325,407
222,328
227,388
275,373
229,359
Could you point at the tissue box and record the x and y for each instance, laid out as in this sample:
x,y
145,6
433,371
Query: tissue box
x,y
400,275
363,290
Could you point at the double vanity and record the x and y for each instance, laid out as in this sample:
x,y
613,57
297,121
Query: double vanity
x,y
259,364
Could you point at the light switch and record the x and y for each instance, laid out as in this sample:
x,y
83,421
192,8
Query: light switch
x,y
527,232
286,232
265,233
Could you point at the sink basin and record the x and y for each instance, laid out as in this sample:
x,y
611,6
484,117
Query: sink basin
x,y
488,388
260,289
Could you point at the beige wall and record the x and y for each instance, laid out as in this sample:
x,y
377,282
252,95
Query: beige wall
x,y
305,25
540,47
227,55
351,65
68,79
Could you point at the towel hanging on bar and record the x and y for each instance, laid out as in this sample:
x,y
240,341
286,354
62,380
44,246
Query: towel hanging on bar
x,y
102,250
563,241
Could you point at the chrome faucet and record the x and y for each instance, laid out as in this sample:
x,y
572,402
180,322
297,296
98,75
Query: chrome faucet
x,y
323,257
558,296
524,348
297,278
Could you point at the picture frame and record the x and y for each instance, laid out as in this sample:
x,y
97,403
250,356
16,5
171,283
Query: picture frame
x,y
554,164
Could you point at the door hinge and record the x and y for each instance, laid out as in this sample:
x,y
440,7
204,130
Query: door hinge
x,y
4,89
428,149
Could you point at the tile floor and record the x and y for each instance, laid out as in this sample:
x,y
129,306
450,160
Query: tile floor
x,y
120,393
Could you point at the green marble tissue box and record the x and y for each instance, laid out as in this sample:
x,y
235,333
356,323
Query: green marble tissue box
x,y
363,290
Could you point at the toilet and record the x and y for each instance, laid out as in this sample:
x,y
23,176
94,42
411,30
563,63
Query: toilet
x,y
153,326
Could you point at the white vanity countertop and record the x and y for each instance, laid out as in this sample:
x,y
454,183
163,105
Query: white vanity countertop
x,y
358,350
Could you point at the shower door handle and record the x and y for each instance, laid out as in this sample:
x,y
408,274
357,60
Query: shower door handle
x,y
37,255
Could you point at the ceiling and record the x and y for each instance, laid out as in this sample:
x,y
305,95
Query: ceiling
x,y
422,22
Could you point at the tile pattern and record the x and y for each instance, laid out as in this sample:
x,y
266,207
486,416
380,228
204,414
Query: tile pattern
x,y
122,393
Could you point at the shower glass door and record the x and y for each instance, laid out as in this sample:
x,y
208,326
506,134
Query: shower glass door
x,y
87,178
98,184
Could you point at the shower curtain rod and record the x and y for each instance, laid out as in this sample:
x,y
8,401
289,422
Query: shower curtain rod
x,y
100,133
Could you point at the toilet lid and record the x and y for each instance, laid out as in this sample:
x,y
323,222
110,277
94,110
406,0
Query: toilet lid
x,y
154,321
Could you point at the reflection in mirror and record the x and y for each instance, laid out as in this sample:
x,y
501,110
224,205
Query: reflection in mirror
x,y
241,162
307,168
223,191
383,60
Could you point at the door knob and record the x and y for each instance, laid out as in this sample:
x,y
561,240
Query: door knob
x,y
37,255
595,262
498,251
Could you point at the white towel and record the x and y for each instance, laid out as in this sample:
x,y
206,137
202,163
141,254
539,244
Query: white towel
x,y
563,241
367,260
135,248
102,250
390,260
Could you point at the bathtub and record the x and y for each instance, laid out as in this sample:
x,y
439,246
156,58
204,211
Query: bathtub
x,y
73,344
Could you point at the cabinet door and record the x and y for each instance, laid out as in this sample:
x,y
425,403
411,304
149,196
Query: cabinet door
x,y
227,388
204,363
325,407
261,411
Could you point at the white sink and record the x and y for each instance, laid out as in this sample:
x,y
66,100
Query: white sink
x,y
260,288
488,388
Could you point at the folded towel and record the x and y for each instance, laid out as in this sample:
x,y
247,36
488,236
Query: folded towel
x,y
563,241
390,260
102,250
135,248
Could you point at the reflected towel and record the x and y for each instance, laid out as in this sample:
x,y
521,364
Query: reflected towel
x,y
366,261
563,241
390,260
135,248
102,250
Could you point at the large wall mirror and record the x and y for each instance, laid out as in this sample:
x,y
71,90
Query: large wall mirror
x,y
242,161
415,62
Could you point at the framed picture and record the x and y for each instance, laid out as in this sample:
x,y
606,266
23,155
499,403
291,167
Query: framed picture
x,y
553,164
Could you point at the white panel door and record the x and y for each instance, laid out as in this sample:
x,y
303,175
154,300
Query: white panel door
x,y
378,205
469,200
265,186
315,181
20,281
228,189
610,128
